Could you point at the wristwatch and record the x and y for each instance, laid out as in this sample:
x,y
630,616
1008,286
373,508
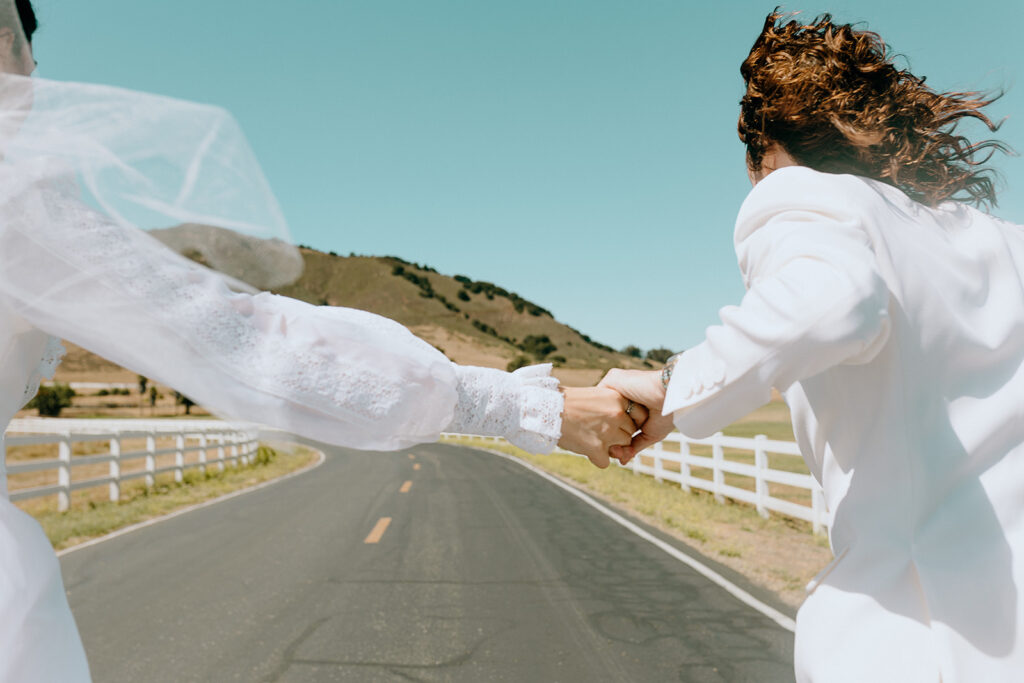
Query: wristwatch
x,y
666,372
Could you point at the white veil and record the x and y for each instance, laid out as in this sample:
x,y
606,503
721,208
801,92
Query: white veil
x,y
91,174
182,170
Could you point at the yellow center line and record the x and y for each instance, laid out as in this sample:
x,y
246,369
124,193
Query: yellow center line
x,y
416,466
378,530
405,487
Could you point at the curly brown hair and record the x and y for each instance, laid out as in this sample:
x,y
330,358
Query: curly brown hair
x,y
832,98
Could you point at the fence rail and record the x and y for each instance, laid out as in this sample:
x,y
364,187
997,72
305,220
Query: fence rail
x,y
231,443
676,463
218,443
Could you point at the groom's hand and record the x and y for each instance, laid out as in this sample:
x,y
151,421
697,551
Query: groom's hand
x,y
595,420
642,387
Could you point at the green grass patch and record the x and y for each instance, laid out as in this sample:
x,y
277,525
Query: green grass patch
x,y
89,517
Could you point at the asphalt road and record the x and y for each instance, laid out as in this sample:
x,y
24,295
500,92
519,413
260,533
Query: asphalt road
x,y
486,572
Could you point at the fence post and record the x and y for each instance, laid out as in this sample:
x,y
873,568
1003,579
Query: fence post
x,y
717,475
658,450
3,465
817,510
115,468
220,452
150,459
684,467
202,454
64,472
179,458
234,450
761,466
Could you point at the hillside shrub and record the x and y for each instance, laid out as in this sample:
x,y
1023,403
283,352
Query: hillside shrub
x,y
596,345
538,345
49,401
462,295
518,362
485,328
632,351
659,355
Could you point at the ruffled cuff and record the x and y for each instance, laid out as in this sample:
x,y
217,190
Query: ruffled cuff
x,y
524,407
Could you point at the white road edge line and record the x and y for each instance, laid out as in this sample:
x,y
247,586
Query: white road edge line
x,y
206,503
702,569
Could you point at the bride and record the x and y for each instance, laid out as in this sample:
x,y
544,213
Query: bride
x,y
84,167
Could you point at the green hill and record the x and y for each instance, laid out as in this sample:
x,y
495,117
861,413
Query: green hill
x,y
473,322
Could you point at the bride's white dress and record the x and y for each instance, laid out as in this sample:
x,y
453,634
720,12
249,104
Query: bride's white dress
x,y
337,375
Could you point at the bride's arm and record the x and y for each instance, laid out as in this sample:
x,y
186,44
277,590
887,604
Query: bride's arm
x,y
338,375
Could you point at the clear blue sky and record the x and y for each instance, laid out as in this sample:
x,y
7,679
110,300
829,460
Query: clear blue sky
x,y
581,153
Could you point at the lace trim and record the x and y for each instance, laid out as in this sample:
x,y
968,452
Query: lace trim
x,y
53,353
525,406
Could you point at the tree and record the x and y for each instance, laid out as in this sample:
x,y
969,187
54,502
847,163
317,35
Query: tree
x,y
143,383
183,400
633,351
152,397
47,402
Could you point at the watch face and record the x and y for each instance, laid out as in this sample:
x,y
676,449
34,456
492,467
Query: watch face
x,y
666,372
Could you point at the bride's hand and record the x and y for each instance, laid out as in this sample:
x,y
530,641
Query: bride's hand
x,y
594,419
644,387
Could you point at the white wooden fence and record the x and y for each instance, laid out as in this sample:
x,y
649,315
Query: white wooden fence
x,y
215,442
653,462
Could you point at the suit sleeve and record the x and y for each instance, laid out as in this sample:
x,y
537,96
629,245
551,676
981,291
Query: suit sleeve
x,y
815,299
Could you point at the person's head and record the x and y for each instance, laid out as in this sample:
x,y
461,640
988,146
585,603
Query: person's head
x,y
17,24
827,96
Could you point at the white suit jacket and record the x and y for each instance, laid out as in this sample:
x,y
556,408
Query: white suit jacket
x,y
896,333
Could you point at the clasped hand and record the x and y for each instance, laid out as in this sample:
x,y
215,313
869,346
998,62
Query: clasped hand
x,y
616,419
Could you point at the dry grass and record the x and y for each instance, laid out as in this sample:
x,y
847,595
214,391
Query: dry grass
x,y
92,514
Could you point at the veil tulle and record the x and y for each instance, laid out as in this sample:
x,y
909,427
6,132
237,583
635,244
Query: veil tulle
x,y
179,169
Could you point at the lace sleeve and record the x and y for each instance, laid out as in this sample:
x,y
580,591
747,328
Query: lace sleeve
x,y
337,375
525,406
